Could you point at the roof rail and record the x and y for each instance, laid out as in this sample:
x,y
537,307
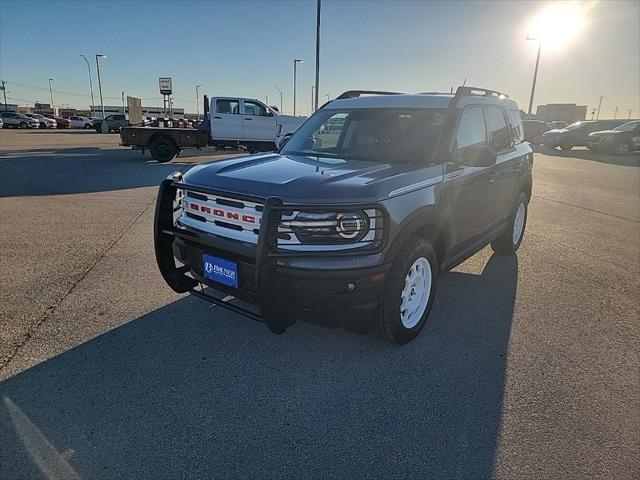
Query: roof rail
x,y
357,93
467,91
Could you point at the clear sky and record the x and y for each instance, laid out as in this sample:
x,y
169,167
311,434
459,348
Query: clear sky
x,y
246,48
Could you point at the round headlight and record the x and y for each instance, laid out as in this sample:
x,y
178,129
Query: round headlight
x,y
349,225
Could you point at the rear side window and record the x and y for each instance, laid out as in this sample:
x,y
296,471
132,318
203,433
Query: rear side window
x,y
471,129
228,106
498,128
517,131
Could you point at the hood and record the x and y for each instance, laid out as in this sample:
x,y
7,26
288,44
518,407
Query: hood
x,y
307,179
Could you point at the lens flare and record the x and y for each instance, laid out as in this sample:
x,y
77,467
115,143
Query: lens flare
x,y
557,25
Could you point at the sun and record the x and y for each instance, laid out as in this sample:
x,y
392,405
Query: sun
x,y
557,25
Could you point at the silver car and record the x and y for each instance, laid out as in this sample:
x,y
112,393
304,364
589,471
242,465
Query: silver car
x,y
18,120
43,121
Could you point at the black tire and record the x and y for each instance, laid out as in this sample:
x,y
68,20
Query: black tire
x,y
566,144
87,125
23,125
622,148
390,319
163,149
504,244
43,126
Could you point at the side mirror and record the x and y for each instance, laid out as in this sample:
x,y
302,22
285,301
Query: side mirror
x,y
284,140
479,156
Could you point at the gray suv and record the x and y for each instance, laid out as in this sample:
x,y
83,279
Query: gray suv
x,y
352,221
18,120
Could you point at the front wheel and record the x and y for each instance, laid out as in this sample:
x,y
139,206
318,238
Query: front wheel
x,y
566,144
409,292
509,241
87,125
622,148
23,125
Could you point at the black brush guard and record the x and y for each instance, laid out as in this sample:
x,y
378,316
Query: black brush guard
x,y
264,254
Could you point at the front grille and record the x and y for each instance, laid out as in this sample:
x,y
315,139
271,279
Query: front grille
x,y
223,216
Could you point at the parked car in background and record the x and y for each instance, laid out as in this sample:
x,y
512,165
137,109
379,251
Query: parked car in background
x,y
1,123
534,128
80,122
43,121
621,140
114,122
576,134
18,120
60,121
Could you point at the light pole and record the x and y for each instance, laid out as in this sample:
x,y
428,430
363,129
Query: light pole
x,y
93,103
51,93
313,89
314,102
295,66
98,57
281,112
266,100
124,112
599,105
197,103
328,97
535,73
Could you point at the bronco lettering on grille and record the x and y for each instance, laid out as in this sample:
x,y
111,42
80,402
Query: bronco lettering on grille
x,y
222,213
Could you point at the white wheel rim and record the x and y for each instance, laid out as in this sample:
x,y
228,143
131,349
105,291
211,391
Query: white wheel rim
x,y
518,224
416,292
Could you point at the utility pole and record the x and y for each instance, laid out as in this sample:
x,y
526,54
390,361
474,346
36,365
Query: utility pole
x,y
51,93
5,102
295,66
615,114
4,92
535,73
197,103
599,105
93,103
314,102
281,112
266,100
313,96
124,111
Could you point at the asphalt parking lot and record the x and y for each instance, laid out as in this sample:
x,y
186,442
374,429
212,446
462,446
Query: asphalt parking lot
x,y
528,368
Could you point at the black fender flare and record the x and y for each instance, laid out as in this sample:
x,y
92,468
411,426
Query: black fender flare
x,y
427,222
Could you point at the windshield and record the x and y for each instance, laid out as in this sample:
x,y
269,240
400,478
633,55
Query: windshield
x,y
627,127
392,135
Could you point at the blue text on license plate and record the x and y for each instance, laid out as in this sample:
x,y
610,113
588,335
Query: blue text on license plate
x,y
220,270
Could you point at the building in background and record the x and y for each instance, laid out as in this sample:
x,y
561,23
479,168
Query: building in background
x,y
9,107
157,112
569,112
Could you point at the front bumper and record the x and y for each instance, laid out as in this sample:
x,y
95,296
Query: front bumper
x,y
267,280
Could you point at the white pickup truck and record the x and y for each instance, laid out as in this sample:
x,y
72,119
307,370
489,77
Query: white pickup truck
x,y
229,122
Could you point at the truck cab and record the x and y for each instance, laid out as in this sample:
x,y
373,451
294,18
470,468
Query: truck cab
x,y
250,121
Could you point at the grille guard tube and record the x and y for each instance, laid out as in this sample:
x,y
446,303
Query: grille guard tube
x,y
269,304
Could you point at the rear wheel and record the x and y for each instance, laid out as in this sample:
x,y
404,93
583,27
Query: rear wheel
x,y
163,149
409,292
509,241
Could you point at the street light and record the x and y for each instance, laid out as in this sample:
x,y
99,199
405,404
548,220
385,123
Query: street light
x,y
98,57
51,93
295,65
93,104
313,89
281,112
197,103
535,73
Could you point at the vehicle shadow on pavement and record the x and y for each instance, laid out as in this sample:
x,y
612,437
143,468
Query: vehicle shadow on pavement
x,y
629,160
192,391
57,171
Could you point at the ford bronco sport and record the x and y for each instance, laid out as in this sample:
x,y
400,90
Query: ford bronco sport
x,y
352,221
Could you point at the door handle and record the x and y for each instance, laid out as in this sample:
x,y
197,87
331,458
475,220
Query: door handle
x,y
219,118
